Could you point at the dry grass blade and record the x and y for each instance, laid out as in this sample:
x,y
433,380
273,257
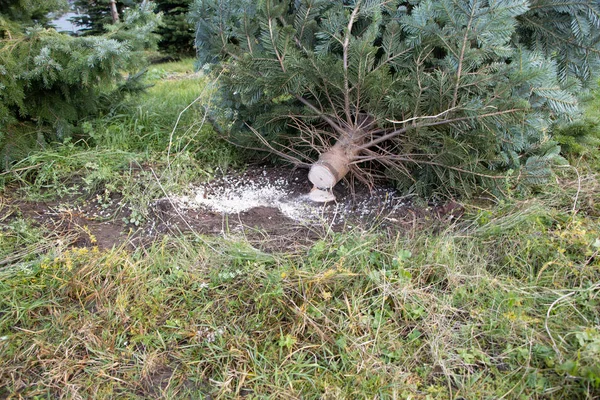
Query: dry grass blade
x,y
58,244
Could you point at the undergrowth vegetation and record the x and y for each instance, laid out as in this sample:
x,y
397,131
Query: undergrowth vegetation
x,y
503,303
50,82
153,142
507,306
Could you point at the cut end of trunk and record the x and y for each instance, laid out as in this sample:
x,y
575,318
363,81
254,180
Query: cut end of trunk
x,y
321,196
332,166
321,176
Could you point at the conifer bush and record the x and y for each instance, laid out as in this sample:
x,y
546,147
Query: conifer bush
x,y
176,32
434,94
94,15
14,12
53,81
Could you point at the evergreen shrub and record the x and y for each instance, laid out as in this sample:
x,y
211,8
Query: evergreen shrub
x,y
445,95
53,81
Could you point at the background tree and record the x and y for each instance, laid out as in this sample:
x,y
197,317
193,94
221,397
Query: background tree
x,y
50,81
14,14
93,15
31,11
177,33
436,94
114,12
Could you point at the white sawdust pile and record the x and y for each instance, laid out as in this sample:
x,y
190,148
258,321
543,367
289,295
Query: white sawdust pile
x,y
233,195
237,194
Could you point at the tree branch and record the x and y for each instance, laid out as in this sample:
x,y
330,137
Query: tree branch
x,y
279,58
569,41
264,141
345,46
462,54
321,114
424,117
443,122
378,157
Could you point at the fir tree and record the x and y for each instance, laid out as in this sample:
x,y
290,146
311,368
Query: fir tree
x,y
94,15
177,32
29,12
441,94
15,14
55,80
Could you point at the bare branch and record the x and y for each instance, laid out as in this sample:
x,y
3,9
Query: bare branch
x,y
424,117
321,114
285,156
395,133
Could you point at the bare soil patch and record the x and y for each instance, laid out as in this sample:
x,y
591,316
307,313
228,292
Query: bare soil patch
x,y
84,223
268,206
271,208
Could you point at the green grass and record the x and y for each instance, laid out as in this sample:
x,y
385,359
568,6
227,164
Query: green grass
x,y
508,306
165,126
504,303
157,142
169,118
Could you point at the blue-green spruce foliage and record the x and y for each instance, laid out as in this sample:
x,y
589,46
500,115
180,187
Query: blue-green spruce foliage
x,y
443,94
53,81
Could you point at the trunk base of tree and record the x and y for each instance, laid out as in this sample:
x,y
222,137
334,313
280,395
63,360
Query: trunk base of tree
x,y
331,167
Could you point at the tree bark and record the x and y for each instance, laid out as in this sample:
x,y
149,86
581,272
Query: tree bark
x,y
332,165
113,11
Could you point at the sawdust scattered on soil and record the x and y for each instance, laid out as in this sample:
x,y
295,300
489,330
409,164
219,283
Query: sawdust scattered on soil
x,y
268,206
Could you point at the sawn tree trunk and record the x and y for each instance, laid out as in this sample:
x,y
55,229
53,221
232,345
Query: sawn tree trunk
x,y
332,165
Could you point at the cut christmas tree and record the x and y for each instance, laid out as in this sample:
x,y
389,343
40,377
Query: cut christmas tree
x,y
435,95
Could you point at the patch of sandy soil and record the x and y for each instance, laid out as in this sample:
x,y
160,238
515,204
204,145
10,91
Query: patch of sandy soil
x,y
268,206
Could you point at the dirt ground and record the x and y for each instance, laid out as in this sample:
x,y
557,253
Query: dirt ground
x,y
87,223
